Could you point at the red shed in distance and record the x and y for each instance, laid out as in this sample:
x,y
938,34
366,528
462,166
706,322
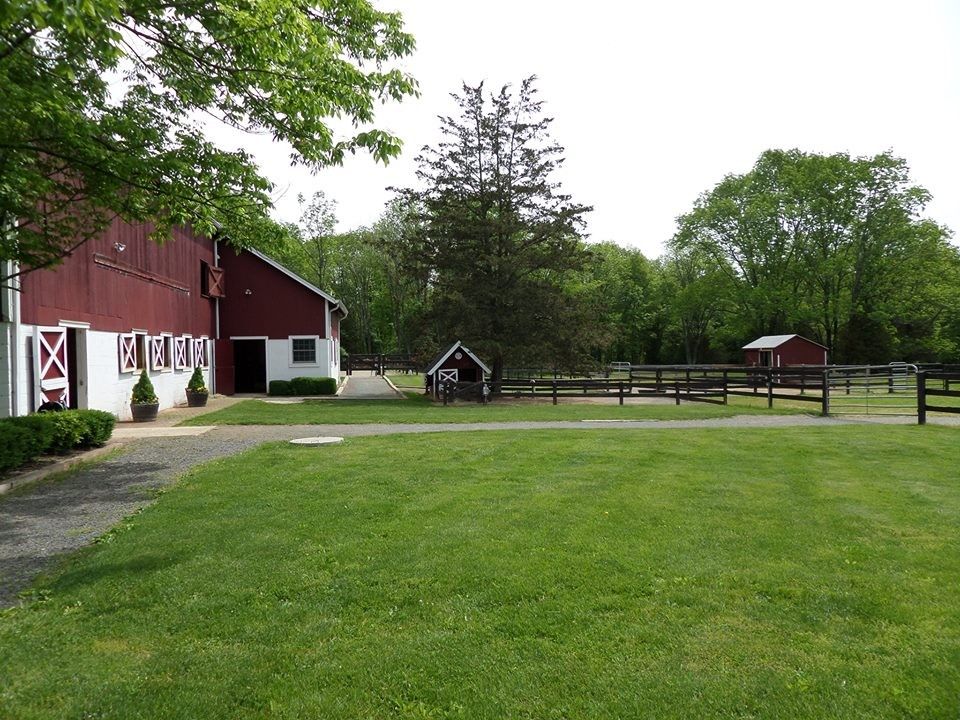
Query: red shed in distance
x,y
781,350
454,364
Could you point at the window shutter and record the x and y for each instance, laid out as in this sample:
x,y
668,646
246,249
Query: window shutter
x,y
211,281
128,352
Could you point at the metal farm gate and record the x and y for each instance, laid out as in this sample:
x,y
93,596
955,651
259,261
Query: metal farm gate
x,y
873,389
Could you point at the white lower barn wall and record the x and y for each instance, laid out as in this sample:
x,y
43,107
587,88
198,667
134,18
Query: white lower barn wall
x,y
279,366
109,389
106,387
6,369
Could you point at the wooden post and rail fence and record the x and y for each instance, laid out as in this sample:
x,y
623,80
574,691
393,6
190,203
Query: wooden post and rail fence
x,y
895,389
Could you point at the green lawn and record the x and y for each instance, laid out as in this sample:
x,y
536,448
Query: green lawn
x,y
774,573
407,380
419,409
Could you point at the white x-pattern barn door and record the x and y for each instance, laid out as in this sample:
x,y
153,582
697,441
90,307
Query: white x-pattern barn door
x,y
448,375
51,377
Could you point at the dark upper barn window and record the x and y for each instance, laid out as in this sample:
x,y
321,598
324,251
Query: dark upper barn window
x,y
211,281
303,350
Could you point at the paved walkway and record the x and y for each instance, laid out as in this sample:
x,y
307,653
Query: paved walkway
x,y
368,387
40,523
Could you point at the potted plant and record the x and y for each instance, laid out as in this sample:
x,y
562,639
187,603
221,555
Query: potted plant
x,y
197,392
144,403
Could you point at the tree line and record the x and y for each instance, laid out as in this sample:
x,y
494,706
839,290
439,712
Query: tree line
x,y
487,248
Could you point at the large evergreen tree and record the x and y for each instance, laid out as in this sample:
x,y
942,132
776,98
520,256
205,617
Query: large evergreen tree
x,y
499,232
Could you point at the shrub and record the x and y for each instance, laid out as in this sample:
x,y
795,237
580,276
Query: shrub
x,y
313,386
280,387
68,431
98,427
143,392
23,439
197,383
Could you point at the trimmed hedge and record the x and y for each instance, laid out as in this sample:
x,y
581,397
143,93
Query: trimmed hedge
x,y
280,387
303,386
313,386
23,439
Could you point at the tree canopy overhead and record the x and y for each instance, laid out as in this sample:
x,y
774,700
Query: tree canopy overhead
x,y
103,101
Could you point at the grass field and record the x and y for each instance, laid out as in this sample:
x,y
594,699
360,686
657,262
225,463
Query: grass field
x,y
419,409
776,573
407,380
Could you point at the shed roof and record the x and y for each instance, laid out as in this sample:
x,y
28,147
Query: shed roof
x,y
768,342
440,357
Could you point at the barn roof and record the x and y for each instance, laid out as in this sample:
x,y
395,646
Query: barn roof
x,y
440,357
335,305
768,342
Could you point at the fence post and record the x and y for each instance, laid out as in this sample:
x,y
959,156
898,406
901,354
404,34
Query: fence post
x,y
621,392
676,388
922,398
446,393
769,388
659,379
726,379
688,382
533,388
825,401
803,382
554,392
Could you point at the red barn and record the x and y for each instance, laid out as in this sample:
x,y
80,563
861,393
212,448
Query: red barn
x,y
84,330
275,326
780,350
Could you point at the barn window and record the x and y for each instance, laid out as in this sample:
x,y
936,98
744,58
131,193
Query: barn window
x,y
140,343
211,281
161,352
182,352
303,350
200,353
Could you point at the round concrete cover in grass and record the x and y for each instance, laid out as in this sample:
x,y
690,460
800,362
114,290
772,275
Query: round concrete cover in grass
x,y
317,440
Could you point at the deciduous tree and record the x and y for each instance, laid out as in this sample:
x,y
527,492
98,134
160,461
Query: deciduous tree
x,y
102,104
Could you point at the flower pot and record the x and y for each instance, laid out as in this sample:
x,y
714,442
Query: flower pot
x,y
196,399
143,412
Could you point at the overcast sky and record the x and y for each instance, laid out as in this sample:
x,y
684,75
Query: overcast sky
x,y
656,102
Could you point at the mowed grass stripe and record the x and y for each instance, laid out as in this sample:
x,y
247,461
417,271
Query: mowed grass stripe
x,y
419,409
719,573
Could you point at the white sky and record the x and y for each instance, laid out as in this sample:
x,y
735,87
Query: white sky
x,y
656,101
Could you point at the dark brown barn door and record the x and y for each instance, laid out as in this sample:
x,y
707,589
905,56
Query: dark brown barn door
x,y
224,368
250,366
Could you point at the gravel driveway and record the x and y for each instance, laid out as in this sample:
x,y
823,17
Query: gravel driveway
x,y
42,522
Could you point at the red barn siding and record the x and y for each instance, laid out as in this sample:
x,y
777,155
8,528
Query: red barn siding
x,y
147,286
799,351
278,306
464,363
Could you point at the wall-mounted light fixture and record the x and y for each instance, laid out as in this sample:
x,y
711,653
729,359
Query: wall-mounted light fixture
x,y
119,246
248,291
